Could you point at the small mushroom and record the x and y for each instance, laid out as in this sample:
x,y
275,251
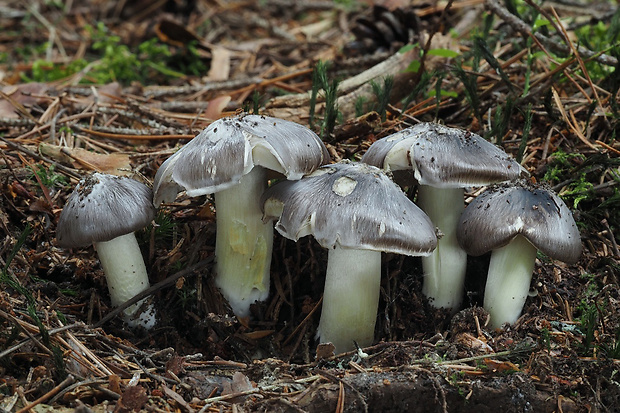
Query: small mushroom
x,y
356,212
230,158
514,221
105,210
444,161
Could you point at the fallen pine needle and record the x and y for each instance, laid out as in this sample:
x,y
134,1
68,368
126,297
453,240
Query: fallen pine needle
x,y
66,382
135,137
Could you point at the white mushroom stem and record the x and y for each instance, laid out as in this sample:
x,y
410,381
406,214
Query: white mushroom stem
x,y
126,276
350,298
444,269
243,243
508,280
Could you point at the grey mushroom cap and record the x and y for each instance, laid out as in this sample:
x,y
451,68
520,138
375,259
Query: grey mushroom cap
x,y
351,205
444,157
103,207
502,212
229,148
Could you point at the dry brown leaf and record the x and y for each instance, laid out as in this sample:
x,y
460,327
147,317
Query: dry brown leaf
x,y
114,383
239,384
325,350
133,399
503,366
175,365
23,94
26,93
474,343
112,163
109,93
177,398
216,107
220,64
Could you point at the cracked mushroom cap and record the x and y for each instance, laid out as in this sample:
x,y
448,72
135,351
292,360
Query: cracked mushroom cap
x,y
353,205
103,207
443,157
229,148
502,212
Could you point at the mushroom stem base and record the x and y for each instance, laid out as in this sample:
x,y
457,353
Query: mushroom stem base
x,y
444,269
243,243
126,276
351,298
508,281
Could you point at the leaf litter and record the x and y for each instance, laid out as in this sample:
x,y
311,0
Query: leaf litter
x,y
118,87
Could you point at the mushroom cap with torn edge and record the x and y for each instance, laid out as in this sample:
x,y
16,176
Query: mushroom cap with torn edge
x,y
229,148
103,207
443,157
504,211
351,205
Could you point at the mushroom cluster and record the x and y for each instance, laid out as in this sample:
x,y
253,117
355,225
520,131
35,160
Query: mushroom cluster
x,y
444,161
231,159
514,219
355,210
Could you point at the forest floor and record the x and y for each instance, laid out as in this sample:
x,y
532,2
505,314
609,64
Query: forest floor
x,y
118,87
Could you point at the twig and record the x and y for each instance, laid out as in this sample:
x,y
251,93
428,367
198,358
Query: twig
x,y
438,24
392,65
574,126
575,53
262,389
97,365
340,402
53,37
133,134
23,325
303,322
35,155
481,357
131,115
66,382
526,30
24,342
154,376
608,147
94,383
16,122
159,91
156,287
66,119
20,108
612,238
343,383
269,82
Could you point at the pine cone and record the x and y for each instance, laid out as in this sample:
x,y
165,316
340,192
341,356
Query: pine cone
x,y
384,30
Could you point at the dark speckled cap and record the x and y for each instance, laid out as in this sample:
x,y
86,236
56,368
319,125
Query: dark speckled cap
x,y
103,207
229,148
504,211
444,157
352,205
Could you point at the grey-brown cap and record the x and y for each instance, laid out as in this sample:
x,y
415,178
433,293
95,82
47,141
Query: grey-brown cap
x,y
103,207
229,148
504,211
443,157
352,205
